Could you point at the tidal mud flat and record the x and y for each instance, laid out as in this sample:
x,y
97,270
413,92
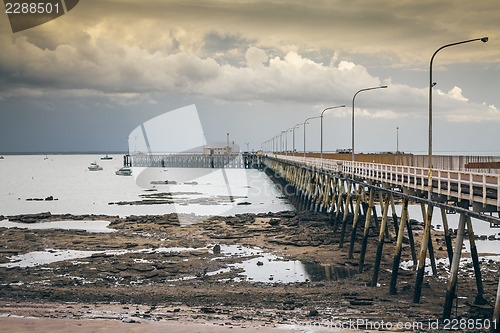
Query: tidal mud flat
x,y
270,270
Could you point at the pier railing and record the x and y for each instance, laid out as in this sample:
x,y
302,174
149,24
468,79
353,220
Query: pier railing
x,y
479,188
196,160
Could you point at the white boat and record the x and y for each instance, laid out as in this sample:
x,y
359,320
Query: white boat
x,y
124,172
95,167
106,157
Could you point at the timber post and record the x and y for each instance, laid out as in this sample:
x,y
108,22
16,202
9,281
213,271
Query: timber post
x,y
421,258
380,245
475,261
366,232
399,246
452,282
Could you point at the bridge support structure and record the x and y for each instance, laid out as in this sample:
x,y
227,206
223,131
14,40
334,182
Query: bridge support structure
x,y
351,201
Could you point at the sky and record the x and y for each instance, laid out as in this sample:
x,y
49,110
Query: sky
x,y
254,68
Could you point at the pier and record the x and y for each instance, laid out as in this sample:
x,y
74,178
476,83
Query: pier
x,y
349,191
230,161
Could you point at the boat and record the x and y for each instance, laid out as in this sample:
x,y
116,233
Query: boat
x,y
95,167
1,157
124,172
107,157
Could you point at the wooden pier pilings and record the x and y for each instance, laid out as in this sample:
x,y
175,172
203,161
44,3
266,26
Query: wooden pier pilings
x,y
351,204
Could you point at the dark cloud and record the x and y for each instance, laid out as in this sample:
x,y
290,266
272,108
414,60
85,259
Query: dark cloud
x,y
112,54
214,42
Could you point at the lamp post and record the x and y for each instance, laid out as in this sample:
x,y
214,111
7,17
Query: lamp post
x,y
283,141
352,123
227,142
431,84
329,108
293,138
305,122
286,140
397,139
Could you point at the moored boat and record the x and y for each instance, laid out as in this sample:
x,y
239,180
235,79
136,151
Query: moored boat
x,y
124,172
95,167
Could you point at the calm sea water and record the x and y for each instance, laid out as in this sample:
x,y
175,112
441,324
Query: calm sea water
x,y
80,191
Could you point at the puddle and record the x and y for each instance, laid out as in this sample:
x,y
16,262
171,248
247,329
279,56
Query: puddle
x,y
318,272
444,263
49,256
39,258
269,268
88,226
272,269
257,265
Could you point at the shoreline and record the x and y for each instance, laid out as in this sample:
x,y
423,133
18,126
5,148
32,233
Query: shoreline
x,y
133,274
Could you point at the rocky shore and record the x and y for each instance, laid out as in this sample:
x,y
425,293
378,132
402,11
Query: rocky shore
x,y
220,270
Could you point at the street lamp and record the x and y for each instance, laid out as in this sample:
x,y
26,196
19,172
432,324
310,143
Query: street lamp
x,y
397,139
286,140
283,144
329,108
431,84
305,122
352,125
293,138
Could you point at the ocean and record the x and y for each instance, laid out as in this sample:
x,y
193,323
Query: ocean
x,y
27,180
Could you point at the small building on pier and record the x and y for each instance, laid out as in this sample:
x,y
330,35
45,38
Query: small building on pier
x,y
221,150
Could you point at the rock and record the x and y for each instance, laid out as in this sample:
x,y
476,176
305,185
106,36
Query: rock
x,y
30,218
128,320
313,313
162,182
260,263
355,302
216,249
274,222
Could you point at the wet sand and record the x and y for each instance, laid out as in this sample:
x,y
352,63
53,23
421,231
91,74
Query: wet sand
x,y
202,290
44,325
